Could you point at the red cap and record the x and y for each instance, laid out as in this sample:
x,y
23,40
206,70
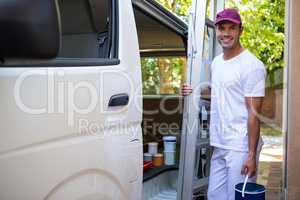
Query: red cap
x,y
229,14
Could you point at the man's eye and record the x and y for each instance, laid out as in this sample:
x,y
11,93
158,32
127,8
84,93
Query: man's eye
x,y
235,28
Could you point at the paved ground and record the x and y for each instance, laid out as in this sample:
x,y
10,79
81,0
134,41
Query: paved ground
x,y
270,167
272,150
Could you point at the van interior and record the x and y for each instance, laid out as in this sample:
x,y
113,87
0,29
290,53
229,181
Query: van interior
x,y
163,48
90,30
160,46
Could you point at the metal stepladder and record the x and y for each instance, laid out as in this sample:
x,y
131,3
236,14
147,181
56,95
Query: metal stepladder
x,y
195,151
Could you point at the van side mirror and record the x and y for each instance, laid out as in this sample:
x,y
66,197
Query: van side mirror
x,y
29,29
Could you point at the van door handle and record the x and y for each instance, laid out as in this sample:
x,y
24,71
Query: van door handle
x,y
118,100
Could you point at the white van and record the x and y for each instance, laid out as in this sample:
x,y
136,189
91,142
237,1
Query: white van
x,y
72,100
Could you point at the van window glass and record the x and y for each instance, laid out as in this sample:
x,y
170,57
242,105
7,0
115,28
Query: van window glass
x,y
163,75
86,28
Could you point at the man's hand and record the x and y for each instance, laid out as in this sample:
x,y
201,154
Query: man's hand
x,y
186,89
249,167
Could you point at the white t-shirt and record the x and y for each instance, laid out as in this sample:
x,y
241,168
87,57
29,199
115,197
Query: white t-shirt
x,y
231,81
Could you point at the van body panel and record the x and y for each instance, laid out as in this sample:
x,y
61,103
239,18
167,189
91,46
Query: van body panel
x,y
34,144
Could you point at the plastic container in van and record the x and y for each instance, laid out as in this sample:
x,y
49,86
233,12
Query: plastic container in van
x,y
169,143
169,157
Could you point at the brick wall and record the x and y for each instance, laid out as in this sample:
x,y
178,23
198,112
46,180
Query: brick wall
x,y
272,106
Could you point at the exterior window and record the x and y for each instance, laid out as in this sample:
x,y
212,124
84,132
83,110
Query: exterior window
x,y
163,75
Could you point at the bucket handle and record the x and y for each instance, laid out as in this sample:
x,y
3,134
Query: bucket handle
x,y
244,186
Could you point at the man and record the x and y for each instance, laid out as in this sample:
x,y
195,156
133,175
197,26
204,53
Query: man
x,y
237,91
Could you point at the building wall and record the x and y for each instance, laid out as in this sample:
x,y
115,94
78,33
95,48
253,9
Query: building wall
x,y
293,100
272,107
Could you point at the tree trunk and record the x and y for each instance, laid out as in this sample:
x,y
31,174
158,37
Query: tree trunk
x,y
165,76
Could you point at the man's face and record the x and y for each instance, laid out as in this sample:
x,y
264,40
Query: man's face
x,y
228,34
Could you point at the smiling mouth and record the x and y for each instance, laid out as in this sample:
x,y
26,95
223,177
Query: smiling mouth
x,y
226,40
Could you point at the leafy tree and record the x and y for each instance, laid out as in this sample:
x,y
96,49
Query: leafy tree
x,y
179,7
263,22
150,75
162,75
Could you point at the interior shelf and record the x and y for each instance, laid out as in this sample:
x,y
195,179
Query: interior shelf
x,y
155,171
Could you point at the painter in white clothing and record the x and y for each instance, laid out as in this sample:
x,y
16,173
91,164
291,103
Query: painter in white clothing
x,y
236,92
233,80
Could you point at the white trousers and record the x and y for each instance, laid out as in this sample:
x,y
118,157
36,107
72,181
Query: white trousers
x,y
225,173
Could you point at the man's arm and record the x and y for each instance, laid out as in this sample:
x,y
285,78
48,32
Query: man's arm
x,y
254,107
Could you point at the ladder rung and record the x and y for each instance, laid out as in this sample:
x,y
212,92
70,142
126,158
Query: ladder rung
x,y
200,183
202,143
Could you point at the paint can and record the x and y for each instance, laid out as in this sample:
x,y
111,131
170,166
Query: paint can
x,y
158,160
147,157
169,157
169,143
152,148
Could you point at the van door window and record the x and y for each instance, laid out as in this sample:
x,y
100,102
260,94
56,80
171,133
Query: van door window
x,y
87,35
163,75
86,28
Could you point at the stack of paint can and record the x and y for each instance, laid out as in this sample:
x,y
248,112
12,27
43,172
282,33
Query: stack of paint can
x,y
169,149
153,155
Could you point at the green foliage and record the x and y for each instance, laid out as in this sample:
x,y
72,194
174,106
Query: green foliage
x,y
177,67
263,22
153,74
179,7
268,130
150,75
